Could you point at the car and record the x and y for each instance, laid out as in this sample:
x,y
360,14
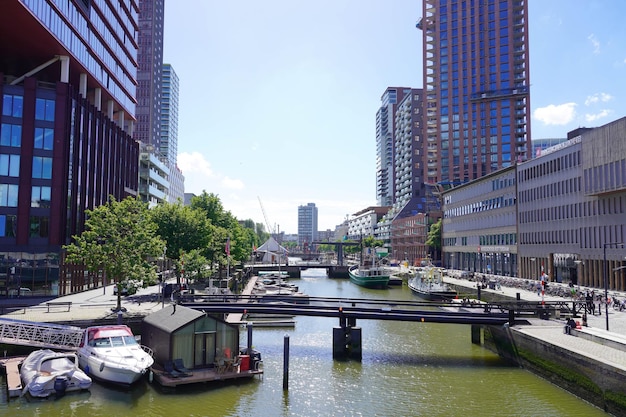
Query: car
x,y
23,292
126,289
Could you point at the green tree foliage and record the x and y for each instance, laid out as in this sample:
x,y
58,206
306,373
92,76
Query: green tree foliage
x,y
434,236
183,229
370,242
196,265
119,238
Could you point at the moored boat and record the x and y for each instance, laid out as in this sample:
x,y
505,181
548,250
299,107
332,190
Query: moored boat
x,y
373,277
428,284
45,372
112,354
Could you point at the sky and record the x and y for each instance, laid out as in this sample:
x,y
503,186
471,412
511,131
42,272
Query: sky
x,y
278,98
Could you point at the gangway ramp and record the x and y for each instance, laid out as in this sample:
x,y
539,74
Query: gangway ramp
x,y
44,335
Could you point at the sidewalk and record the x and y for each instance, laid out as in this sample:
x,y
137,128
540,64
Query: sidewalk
x,y
552,330
90,305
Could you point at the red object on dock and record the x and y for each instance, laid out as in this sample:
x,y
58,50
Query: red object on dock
x,y
244,365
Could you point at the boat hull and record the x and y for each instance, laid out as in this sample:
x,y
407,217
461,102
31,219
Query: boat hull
x,y
368,280
431,292
109,372
45,373
111,354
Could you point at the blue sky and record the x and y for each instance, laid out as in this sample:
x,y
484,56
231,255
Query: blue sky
x,y
278,98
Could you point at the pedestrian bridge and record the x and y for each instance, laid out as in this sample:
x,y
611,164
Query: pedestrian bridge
x,y
42,335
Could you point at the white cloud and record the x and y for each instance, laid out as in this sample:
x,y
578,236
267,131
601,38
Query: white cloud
x,y
232,184
194,162
595,42
200,176
593,117
598,97
552,114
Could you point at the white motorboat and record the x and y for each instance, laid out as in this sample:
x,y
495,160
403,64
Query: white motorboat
x,y
45,372
112,354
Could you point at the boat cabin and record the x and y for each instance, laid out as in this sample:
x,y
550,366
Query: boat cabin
x,y
200,340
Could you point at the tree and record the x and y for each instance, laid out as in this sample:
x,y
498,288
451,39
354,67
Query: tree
x,y
183,229
119,238
433,240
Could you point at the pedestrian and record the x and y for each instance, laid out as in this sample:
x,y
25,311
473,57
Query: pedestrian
x,y
538,288
571,324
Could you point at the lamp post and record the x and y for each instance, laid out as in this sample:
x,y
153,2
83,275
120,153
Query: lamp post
x,y
578,273
605,274
163,278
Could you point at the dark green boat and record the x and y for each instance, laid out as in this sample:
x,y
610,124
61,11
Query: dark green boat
x,y
374,277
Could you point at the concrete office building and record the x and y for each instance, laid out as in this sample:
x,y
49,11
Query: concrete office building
x,y
479,225
572,209
67,81
307,225
476,82
560,214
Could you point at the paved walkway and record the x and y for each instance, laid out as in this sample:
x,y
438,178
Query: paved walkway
x,y
552,330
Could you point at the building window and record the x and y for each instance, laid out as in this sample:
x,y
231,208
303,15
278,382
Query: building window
x,y
40,197
12,105
7,225
11,135
44,109
10,165
8,195
44,138
42,167
39,226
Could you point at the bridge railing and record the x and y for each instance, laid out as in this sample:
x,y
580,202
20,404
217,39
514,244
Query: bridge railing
x,y
44,335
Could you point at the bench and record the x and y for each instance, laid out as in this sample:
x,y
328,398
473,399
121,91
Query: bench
x,y
67,304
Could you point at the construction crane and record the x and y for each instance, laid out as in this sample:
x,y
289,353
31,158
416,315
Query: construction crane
x,y
270,230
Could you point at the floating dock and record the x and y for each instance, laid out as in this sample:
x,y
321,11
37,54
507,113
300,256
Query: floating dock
x,y
14,381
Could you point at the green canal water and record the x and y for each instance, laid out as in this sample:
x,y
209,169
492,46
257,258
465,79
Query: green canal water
x,y
408,369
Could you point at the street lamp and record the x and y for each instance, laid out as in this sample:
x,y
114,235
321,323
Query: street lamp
x,y
606,281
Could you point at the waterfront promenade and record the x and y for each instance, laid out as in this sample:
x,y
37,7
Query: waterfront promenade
x,y
552,331
97,304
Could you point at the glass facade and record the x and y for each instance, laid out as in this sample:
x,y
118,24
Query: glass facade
x,y
476,76
101,36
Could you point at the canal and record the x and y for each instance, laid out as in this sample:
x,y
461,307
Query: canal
x,y
408,369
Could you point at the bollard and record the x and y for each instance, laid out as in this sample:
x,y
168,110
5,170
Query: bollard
x,y
518,297
119,316
286,364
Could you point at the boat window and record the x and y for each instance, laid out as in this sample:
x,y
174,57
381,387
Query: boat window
x,y
130,340
102,342
117,341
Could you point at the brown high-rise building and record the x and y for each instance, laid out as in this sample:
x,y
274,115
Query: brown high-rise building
x,y
476,82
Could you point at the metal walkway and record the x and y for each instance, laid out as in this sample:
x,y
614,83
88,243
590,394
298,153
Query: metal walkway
x,y
44,335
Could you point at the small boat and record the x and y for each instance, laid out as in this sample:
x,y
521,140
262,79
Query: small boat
x,y
112,354
45,372
428,284
369,277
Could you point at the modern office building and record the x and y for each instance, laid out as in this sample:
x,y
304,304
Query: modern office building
x,y
476,82
307,225
150,72
67,81
572,209
479,225
560,214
